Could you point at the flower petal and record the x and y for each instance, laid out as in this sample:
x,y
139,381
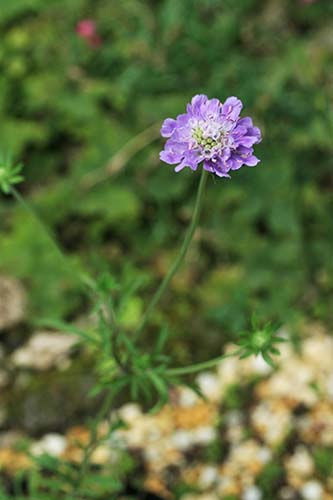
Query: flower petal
x,y
231,108
197,102
251,161
168,127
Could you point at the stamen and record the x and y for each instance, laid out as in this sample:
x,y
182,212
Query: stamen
x,y
209,136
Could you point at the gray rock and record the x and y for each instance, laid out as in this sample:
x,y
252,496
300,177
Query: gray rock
x,y
51,401
45,350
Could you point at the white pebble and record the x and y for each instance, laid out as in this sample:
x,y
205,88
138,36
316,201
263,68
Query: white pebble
x,y
208,476
187,397
260,366
182,440
204,435
44,350
312,490
51,444
130,413
300,463
252,493
209,386
264,455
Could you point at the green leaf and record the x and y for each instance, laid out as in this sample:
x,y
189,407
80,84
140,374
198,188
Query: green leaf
x,y
268,359
162,339
88,337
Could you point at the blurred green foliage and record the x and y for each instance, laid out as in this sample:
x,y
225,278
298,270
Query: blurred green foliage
x,y
66,109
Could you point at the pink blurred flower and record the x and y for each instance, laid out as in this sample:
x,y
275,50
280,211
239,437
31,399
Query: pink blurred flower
x,y
86,29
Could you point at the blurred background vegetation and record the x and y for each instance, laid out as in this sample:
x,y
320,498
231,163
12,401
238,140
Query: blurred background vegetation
x,y
83,114
84,118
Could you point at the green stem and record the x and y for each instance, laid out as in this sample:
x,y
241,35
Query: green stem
x,y
114,340
94,439
183,250
201,366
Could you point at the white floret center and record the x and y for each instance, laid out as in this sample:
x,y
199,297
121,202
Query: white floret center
x,y
210,136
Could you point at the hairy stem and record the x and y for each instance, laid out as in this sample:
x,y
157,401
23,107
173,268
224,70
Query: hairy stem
x,y
185,370
94,440
180,257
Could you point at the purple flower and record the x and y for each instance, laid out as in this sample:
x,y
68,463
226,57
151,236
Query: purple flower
x,y
212,133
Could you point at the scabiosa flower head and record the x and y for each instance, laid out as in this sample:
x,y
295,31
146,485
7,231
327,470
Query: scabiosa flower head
x,y
212,133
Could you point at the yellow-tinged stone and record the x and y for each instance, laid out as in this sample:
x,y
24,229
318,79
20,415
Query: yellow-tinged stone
x,y
155,484
13,461
78,435
202,414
